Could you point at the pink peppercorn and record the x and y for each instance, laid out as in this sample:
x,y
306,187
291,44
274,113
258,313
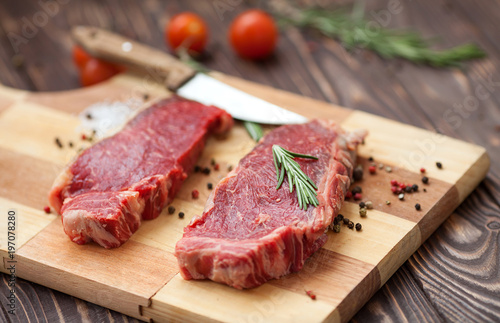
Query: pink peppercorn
x,y
195,194
46,209
358,196
348,195
372,169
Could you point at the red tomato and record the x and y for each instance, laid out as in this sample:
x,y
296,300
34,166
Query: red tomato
x,y
253,34
187,30
80,57
96,71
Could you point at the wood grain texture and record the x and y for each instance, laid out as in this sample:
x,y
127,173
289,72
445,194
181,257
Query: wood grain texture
x,y
320,68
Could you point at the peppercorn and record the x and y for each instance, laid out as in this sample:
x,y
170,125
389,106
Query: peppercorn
x,y
401,196
358,196
358,173
84,136
311,294
388,202
350,225
425,179
395,189
345,220
358,226
422,170
425,190
402,186
348,195
340,217
206,171
369,205
362,212
229,168
197,169
361,204
417,207
58,143
356,189
388,169
372,170
195,194
439,165
370,158
380,166
336,228
408,189
210,186
335,221
216,166
171,209
212,161
394,182
414,187
181,215
47,209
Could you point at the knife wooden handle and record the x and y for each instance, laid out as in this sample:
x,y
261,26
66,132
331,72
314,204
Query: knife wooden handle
x,y
112,47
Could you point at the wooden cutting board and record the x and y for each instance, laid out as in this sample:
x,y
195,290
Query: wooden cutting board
x,y
141,278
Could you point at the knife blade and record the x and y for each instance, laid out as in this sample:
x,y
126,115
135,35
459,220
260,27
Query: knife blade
x,y
181,78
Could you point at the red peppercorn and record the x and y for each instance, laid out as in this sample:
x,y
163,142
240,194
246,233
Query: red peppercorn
x,y
372,169
358,196
216,166
394,189
311,294
348,195
46,209
195,194
402,186
84,136
422,170
394,182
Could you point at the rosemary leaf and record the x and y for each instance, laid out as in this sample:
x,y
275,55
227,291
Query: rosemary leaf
x,y
354,31
254,130
305,187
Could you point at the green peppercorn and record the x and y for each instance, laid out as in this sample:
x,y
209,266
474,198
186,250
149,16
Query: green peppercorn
x,y
369,205
336,228
362,212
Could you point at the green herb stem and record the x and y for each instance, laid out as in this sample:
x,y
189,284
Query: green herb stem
x,y
254,130
355,31
306,189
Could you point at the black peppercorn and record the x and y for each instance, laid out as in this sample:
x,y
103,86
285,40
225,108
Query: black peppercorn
x,y
425,179
357,174
171,210
340,217
408,189
181,215
370,159
210,186
362,205
439,165
414,187
346,220
206,171
197,169
356,189
350,225
358,226
417,207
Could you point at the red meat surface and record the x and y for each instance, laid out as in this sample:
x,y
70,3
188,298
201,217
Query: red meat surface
x,y
110,187
250,232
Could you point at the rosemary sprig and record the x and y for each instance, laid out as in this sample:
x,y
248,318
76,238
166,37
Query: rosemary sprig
x,y
353,30
253,129
306,189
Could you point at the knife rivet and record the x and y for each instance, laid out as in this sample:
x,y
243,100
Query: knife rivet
x,y
126,46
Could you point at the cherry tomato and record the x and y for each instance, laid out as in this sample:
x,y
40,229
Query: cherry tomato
x,y
253,34
187,30
96,71
80,57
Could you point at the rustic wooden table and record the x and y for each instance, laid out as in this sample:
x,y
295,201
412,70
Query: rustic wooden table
x,y
454,276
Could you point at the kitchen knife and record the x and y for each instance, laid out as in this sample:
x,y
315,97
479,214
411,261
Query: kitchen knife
x,y
180,77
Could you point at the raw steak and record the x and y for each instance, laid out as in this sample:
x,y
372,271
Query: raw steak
x,y
108,189
250,232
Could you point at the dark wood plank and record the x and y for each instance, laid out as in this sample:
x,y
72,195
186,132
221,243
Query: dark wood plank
x,y
454,276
